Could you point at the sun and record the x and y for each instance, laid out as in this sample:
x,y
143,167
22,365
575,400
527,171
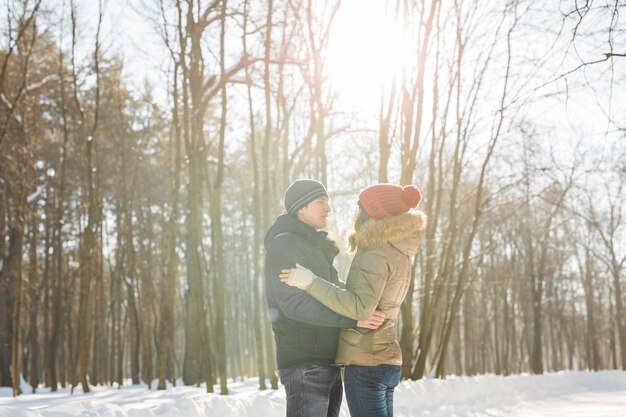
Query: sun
x,y
367,49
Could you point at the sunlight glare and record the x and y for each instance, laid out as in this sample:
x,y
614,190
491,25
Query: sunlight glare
x,y
367,49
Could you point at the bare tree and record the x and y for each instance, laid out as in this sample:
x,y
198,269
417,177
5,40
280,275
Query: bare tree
x,y
16,180
87,136
609,228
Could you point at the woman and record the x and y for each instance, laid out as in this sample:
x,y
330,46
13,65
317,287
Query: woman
x,y
386,236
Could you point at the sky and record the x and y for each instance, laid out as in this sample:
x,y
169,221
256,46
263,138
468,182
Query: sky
x,y
564,394
367,48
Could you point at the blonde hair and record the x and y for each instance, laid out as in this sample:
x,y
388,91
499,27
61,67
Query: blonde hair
x,y
360,217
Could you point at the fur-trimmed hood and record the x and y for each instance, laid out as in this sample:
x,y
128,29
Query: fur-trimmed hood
x,y
402,232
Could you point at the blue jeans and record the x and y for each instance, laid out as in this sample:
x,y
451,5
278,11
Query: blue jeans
x,y
312,391
369,389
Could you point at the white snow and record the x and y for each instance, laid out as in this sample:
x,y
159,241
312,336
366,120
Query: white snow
x,y
35,195
44,81
6,101
575,394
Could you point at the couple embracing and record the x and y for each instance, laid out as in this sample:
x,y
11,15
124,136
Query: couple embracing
x,y
320,326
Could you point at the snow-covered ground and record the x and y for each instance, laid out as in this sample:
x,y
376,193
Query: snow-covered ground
x,y
565,394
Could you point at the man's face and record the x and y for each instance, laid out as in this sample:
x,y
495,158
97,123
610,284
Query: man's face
x,y
315,213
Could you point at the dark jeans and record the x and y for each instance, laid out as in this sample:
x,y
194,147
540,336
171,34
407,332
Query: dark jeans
x,y
369,389
312,391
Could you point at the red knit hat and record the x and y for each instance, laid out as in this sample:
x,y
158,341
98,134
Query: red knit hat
x,y
384,200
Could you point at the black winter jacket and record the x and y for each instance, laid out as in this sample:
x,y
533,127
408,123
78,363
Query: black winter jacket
x,y
306,331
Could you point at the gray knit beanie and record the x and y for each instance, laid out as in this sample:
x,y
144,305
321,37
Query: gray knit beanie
x,y
302,192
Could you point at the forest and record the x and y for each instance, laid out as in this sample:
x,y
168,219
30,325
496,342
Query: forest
x,y
145,147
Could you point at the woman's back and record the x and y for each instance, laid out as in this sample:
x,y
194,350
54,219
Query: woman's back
x,y
381,266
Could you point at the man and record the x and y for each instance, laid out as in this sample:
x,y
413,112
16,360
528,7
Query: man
x,y
306,332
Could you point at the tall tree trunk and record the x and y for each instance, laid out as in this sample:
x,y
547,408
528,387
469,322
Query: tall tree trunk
x,y
619,311
131,279
536,357
192,368
256,223
48,267
55,283
586,273
100,353
219,296
146,299
197,349
84,310
215,209
35,302
412,117
134,332
265,174
87,269
168,289
14,274
5,295
197,352
432,210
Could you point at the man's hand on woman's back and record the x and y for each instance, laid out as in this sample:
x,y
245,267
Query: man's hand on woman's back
x,y
372,322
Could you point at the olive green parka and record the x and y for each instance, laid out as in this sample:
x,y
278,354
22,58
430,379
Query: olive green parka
x,y
379,279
